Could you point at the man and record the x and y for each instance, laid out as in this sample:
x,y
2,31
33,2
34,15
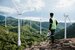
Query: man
x,y
52,26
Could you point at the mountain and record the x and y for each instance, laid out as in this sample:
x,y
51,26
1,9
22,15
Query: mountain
x,y
9,20
12,22
2,20
30,34
34,24
9,37
70,32
61,26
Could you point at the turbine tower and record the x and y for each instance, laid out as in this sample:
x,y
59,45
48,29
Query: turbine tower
x,y
40,27
5,21
30,23
65,35
66,17
19,31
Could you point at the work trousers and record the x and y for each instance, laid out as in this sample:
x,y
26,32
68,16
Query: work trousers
x,y
52,35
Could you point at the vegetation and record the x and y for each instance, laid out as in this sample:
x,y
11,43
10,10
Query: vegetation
x,y
9,35
8,38
70,32
30,35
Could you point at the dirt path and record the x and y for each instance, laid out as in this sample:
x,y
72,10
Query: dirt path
x,y
68,44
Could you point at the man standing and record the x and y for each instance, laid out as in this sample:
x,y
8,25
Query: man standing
x,y
52,26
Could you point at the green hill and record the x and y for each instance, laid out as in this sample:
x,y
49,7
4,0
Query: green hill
x,y
14,22
7,40
34,24
9,35
2,20
29,35
70,32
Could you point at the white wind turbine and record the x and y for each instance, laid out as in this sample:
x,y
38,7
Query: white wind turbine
x,y
5,23
66,17
19,31
40,26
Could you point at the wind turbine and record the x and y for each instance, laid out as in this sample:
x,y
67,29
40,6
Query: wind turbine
x,y
66,17
30,23
65,35
5,21
19,31
6,16
7,30
40,27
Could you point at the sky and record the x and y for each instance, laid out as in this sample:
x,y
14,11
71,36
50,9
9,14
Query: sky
x,y
36,9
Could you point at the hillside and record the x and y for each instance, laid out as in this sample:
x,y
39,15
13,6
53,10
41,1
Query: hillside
x,y
29,36
14,22
9,37
2,20
7,40
70,32
36,25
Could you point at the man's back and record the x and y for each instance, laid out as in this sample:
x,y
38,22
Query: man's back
x,y
52,26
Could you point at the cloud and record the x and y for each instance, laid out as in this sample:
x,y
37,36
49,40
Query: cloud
x,y
43,19
32,18
64,4
7,10
29,5
18,1
35,4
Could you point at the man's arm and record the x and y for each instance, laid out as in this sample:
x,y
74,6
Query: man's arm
x,y
50,25
56,22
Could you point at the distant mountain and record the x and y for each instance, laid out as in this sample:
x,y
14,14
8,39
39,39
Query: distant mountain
x,y
9,20
36,25
70,32
61,26
2,17
29,34
2,20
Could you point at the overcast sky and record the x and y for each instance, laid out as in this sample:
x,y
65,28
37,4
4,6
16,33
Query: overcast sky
x,y
36,9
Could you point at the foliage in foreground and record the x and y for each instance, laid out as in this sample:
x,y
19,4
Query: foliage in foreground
x,y
8,38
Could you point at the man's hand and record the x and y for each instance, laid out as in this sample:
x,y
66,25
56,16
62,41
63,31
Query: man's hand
x,y
49,31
